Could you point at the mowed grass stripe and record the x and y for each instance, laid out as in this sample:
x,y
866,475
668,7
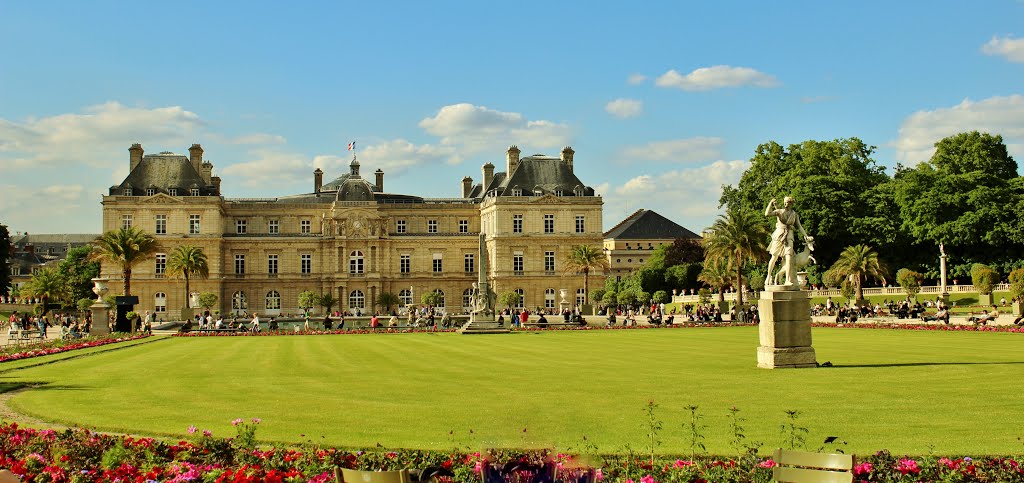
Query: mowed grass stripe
x,y
902,390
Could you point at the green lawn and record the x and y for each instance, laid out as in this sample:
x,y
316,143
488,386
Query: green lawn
x,y
907,391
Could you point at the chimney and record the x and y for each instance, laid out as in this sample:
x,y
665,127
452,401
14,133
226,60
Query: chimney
x,y
467,186
195,155
135,155
30,248
380,179
567,153
207,172
215,181
512,157
318,180
488,176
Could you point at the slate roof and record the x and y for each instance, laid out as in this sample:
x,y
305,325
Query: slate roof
x,y
648,225
536,172
162,172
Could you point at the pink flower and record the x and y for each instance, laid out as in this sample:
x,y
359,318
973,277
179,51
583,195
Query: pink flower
x,y
478,467
682,464
647,479
862,469
257,420
236,422
191,430
769,463
598,474
907,465
207,433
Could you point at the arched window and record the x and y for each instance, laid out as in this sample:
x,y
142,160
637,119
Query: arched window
x,y
356,300
522,298
581,297
159,302
440,301
355,262
467,298
578,190
238,301
405,296
549,298
273,300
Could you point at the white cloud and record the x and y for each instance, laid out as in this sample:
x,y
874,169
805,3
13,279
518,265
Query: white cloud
x,y
716,77
270,170
1009,47
996,115
70,192
88,138
636,79
51,209
676,150
624,108
687,196
258,138
471,129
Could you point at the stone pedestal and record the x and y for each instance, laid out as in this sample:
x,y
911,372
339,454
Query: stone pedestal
x,y
785,329
100,312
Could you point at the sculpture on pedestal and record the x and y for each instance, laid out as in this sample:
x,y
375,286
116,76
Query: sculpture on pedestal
x,y
781,245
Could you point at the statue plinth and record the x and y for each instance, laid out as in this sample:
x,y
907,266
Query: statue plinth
x,y
785,328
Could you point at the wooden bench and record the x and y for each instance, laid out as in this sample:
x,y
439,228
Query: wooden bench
x,y
804,467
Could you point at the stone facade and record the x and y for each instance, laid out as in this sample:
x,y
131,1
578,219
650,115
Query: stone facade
x,y
352,239
630,243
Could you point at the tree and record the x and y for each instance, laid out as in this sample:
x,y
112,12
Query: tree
x,y
683,276
610,298
984,278
857,263
307,300
388,300
207,300
188,261
78,272
583,259
716,275
327,301
125,248
509,299
909,280
626,297
5,251
661,297
48,285
1016,279
684,250
735,238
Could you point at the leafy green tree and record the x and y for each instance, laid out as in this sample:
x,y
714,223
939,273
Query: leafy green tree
x,y
1017,286
597,295
509,299
327,301
684,250
716,275
626,297
984,278
5,250
388,300
125,248
432,299
610,298
78,271
207,300
85,304
307,300
857,263
188,261
755,278
661,297
585,259
48,285
683,276
736,238
909,280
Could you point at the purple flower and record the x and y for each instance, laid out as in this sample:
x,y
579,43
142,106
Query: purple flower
x,y
191,430
236,422
207,433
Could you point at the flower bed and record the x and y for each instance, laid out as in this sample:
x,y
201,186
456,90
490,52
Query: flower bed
x,y
944,327
80,455
17,353
389,330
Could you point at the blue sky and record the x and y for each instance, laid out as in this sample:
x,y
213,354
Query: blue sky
x,y
663,102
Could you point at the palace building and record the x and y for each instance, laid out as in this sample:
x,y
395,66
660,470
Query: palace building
x,y
352,238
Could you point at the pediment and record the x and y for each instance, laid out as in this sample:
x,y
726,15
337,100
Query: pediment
x,y
160,198
548,199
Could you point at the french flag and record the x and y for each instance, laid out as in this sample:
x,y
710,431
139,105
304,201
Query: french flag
x,y
351,145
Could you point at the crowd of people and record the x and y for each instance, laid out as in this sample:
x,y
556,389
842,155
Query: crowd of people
x,y
69,325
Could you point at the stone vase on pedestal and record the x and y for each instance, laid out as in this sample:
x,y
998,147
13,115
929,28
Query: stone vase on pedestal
x,y
785,329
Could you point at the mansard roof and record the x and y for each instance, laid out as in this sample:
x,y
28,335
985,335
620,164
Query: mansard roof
x,y
648,225
537,172
162,172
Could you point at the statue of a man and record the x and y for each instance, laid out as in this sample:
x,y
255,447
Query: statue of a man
x,y
782,238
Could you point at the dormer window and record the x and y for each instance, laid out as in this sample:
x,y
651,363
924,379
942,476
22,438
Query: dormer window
x,y
517,191
173,191
127,192
559,192
150,191
195,191
578,190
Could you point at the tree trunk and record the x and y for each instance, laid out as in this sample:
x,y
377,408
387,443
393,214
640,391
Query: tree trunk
x,y
187,304
586,286
860,289
127,274
739,287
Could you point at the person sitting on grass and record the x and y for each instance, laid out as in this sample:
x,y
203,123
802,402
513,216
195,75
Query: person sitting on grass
x,y
984,319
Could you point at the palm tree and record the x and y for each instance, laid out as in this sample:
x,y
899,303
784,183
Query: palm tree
x,y
47,284
717,275
584,258
388,300
125,248
736,238
856,263
187,261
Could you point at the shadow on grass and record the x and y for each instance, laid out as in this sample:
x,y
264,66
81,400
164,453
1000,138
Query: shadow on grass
x,y
913,364
9,386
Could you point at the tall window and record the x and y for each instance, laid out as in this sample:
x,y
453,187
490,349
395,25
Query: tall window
x,y
273,227
438,263
306,261
159,302
239,302
272,265
273,301
356,300
400,226
150,191
161,265
581,297
431,226
193,224
549,223
241,227
355,262
470,263
549,261
305,227
405,296
172,191
239,264
549,298
517,223
126,221
517,263
522,298
467,298
404,263
463,226
440,301
581,224
161,225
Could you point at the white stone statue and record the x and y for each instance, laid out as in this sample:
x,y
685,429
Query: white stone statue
x,y
781,245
